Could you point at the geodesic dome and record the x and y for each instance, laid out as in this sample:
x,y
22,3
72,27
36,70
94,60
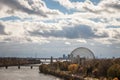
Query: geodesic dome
x,y
82,52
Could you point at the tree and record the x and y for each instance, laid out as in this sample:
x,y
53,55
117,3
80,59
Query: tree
x,y
114,71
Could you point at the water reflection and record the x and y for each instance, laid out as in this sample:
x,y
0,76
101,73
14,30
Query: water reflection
x,y
24,73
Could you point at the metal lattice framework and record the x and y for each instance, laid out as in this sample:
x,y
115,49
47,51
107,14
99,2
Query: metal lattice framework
x,y
82,52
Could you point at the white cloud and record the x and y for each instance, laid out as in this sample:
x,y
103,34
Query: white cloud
x,y
89,22
103,40
108,41
67,43
18,32
65,3
82,41
92,44
31,9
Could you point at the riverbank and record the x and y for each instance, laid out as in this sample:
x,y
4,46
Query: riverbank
x,y
61,74
97,69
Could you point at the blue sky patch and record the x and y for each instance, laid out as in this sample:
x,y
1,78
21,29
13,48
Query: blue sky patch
x,y
9,18
55,5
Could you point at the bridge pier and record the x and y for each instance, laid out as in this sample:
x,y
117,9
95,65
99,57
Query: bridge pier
x,y
18,67
6,67
31,67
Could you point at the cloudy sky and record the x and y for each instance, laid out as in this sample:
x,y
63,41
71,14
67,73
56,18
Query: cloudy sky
x,y
44,28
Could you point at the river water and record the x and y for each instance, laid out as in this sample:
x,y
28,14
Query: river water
x,y
24,73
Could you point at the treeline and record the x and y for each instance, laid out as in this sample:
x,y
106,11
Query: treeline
x,y
8,61
97,68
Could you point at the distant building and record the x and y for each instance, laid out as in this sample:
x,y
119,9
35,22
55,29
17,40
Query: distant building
x,y
64,56
80,54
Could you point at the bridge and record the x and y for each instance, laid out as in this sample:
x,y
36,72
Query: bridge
x,y
33,62
30,66
47,60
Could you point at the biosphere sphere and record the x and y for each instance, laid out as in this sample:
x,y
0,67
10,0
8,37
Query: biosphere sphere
x,y
82,52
